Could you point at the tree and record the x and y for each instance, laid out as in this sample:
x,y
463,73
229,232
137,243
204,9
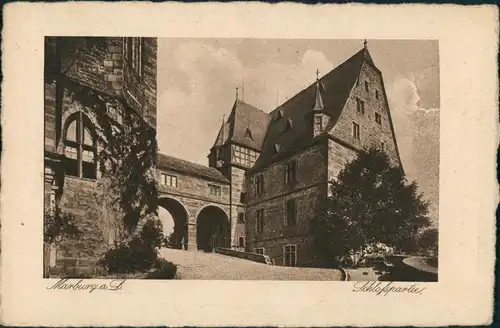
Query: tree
x,y
428,242
371,202
58,226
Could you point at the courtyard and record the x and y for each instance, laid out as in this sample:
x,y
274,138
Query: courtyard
x,y
212,266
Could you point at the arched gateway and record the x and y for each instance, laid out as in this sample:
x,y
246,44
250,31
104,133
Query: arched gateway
x,y
198,199
213,229
179,237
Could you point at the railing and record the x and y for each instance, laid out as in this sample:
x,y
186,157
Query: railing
x,y
243,255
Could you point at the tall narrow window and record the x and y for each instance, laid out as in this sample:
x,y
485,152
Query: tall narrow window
x,y
318,123
378,118
80,147
376,94
241,217
360,106
259,184
290,255
290,172
367,86
241,242
355,131
133,51
291,212
260,220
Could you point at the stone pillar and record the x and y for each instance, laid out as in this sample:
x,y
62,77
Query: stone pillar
x,y
192,241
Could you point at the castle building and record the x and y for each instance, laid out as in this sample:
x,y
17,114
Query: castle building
x,y
279,164
268,173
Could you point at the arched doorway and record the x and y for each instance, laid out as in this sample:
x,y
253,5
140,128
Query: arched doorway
x,y
174,222
212,229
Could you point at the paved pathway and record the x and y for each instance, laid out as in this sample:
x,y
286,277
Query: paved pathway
x,y
362,274
210,266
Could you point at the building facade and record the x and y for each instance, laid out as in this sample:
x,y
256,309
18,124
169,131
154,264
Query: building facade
x,y
268,173
111,68
280,163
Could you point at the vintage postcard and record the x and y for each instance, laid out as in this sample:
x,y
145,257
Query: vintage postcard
x,y
248,177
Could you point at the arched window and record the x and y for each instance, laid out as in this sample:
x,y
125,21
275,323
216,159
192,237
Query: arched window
x,y
80,147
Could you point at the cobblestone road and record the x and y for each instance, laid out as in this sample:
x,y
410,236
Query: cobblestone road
x,y
199,265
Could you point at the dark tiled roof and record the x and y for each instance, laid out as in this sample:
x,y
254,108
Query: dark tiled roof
x,y
190,168
244,118
335,88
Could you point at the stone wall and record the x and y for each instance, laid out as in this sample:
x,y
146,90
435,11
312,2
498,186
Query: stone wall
x,y
371,132
237,188
80,256
309,191
95,63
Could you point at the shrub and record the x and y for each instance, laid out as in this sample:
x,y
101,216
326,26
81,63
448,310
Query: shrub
x,y
133,257
163,270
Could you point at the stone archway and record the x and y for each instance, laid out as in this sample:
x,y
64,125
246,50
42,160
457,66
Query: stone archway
x,y
213,228
179,236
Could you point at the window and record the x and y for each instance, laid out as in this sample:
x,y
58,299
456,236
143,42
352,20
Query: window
x,y
378,118
291,212
355,131
241,242
260,220
280,114
248,134
318,123
133,53
290,169
382,146
360,106
244,156
80,147
367,86
171,181
290,255
376,94
243,197
214,190
289,124
259,251
163,179
259,184
241,217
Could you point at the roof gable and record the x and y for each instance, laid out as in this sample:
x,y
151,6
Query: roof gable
x,y
247,125
166,162
333,88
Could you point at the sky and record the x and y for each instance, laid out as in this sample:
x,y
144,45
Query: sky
x,y
197,81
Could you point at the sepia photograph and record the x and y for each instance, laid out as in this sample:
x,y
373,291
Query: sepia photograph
x,y
241,159
248,164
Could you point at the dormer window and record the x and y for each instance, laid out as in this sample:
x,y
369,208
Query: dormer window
x,y
318,124
248,134
289,124
277,148
280,114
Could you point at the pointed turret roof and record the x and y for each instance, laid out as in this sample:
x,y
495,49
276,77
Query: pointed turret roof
x,y
318,103
243,121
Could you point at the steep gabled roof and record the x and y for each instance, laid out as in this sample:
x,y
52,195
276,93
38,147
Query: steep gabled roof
x,y
189,168
246,125
335,88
